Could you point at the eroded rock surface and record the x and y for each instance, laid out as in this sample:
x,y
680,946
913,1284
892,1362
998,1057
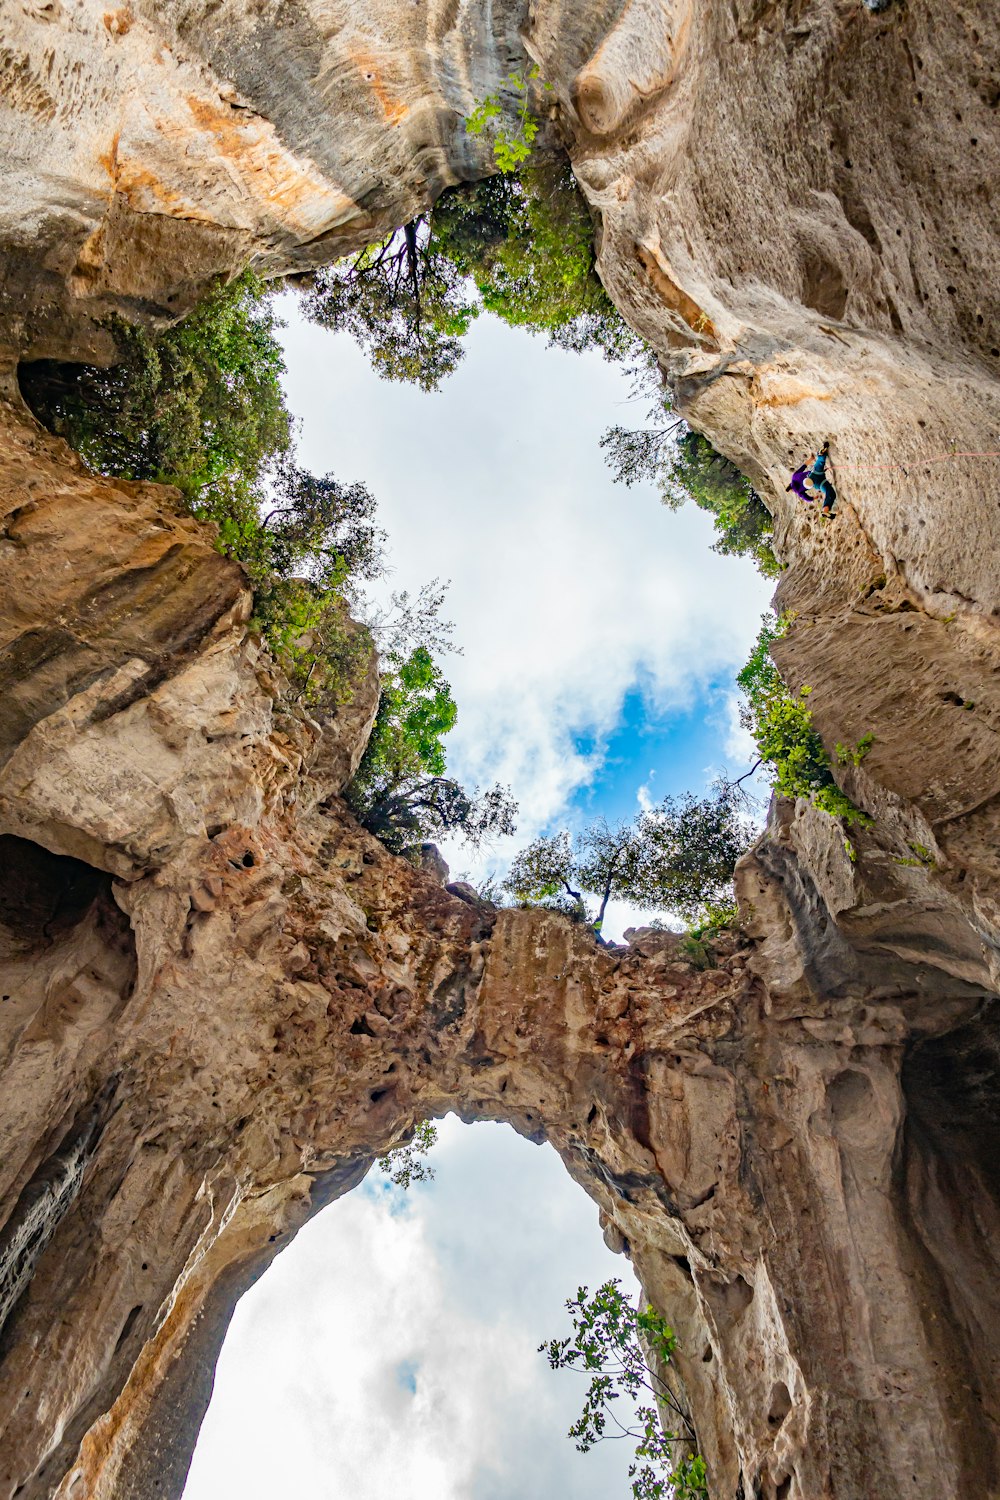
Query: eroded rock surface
x,y
220,998
223,998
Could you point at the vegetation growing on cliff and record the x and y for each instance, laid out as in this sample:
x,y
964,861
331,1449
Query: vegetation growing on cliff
x,y
401,792
678,856
781,724
512,140
683,465
201,406
517,246
611,1343
404,1165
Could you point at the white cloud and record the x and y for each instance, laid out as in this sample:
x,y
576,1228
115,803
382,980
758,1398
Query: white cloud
x,y
568,590
739,742
396,1352
645,796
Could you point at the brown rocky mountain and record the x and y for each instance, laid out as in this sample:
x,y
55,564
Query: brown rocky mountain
x,y
220,998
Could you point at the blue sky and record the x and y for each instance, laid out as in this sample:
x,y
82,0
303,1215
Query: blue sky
x,y
601,634
391,1349
666,750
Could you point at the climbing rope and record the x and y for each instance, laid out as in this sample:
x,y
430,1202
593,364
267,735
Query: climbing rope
x,y
894,463
934,458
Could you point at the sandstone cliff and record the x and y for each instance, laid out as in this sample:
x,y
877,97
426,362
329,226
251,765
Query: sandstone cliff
x,y
221,998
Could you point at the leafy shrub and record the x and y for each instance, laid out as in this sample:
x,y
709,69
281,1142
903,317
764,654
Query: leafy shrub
x,y
781,724
611,1342
406,1164
200,406
684,466
401,792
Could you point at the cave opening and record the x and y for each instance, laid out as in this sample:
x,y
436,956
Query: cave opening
x,y
391,1347
47,900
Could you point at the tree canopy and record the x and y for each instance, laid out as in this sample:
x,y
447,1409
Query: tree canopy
x,y
684,466
197,405
781,724
678,856
401,791
623,1349
200,405
518,246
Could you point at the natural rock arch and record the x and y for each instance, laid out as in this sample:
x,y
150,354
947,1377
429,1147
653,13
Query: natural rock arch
x,y
793,1145
298,997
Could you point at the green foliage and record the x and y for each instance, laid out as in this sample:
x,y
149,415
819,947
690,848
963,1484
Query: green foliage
x,y
923,858
684,466
520,247
542,275
677,856
404,1165
742,520
781,724
715,916
846,756
200,405
540,876
610,1344
404,301
690,849
400,792
512,142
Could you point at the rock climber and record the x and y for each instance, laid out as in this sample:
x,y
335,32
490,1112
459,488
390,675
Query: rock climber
x,y
817,478
798,484
815,474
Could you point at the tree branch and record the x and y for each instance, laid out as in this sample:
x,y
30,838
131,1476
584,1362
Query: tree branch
x,y
756,766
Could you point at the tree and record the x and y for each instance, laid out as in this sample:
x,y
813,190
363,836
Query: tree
x,y
603,861
542,275
200,405
518,246
402,300
404,1165
684,466
322,525
782,727
541,875
611,1343
678,856
196,405
689,849
401,792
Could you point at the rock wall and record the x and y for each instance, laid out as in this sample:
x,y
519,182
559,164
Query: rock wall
x,y
223,998
220,998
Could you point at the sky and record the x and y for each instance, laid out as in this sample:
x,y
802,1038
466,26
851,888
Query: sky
x,y
391,1349
600,633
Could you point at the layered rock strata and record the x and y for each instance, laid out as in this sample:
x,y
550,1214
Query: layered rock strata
x,y
220,999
